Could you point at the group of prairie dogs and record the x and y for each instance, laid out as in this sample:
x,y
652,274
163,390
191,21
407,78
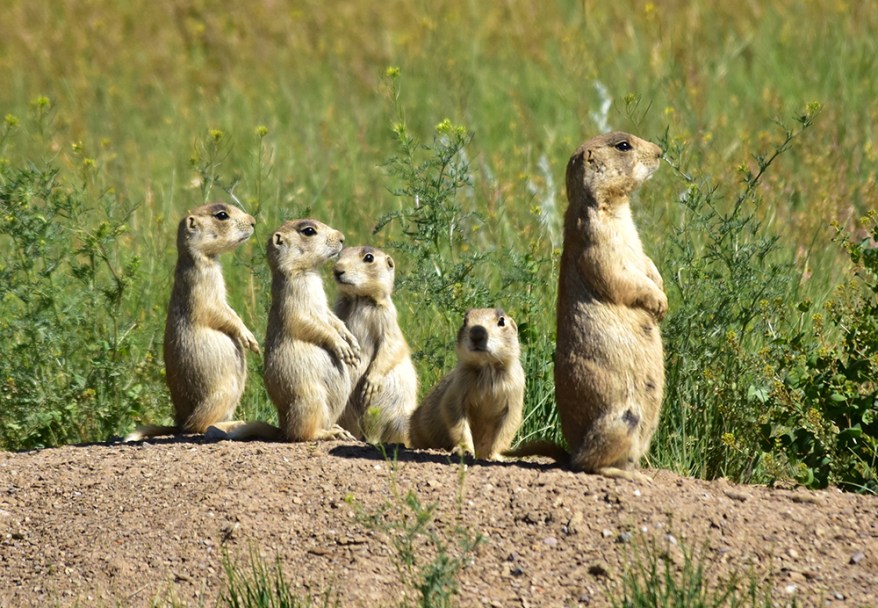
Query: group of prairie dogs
x,y
339,373
346,372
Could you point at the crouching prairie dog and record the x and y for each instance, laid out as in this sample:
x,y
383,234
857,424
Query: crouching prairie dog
x,y
477,407
385,383
609,364
307,348
205,340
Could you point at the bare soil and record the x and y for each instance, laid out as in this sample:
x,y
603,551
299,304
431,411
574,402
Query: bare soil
x,y
133,525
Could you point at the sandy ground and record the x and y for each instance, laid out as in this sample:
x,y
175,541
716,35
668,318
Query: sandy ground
x,y
132,525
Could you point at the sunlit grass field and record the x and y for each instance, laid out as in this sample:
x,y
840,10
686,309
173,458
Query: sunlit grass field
x,y
292,109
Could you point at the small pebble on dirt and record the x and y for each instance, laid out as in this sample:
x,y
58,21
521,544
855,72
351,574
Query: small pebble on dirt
x,y
857,557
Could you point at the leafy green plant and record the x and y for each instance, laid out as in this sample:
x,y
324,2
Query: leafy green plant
x,y
821,403
437,234
730,286
70,370
263,587
654,578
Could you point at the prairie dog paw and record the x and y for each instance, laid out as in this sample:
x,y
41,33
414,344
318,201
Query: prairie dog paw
x,y
655,302
372,385
462,450
248,340
349,354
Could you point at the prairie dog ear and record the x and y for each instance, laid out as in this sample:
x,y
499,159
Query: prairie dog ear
x,y
590,158
390,263
191,224
277,239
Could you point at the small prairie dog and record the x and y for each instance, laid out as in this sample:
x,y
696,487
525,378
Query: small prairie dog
x,y
609,363
205,339
477,407
308,350
385,383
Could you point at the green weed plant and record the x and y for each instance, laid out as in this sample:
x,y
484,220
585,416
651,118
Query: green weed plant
x,y
653,578
427,559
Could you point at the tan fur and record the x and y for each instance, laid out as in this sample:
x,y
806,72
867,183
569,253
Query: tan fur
x,y
385,383
307,348
477,407
205,339
609,365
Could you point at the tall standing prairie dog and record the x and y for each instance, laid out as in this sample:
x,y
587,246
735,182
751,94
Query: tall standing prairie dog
x,y
477,407
385,383
205,339
609,364
307,348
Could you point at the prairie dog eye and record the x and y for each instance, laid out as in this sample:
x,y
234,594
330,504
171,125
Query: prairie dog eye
x,y
501,322
221,215
623,146
368,258
308,231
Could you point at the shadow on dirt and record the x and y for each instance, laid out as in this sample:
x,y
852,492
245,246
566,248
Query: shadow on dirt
x,y
399,453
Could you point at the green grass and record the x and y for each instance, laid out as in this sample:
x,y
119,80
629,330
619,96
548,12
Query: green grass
x,y
668,572
142,110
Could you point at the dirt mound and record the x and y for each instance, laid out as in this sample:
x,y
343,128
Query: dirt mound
x,y
125,524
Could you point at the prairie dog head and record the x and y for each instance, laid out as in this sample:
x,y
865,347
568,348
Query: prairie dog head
x,y
214,228
302,245
365,271
488,335
610,167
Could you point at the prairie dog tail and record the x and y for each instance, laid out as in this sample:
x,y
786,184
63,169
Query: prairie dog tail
x,y
258,430
541,447
144,431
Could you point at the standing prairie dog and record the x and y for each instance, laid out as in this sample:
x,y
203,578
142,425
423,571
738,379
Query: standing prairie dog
x,y
609,364
205,339
477,407
307,348
385,383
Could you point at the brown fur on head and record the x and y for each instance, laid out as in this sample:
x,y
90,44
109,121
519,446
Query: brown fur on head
x,y
610,167
487,335
295,246
214,229
365,272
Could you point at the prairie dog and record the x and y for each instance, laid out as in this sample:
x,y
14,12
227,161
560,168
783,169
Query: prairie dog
x,y
477,407
609,364
307,348
205,339
385,383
